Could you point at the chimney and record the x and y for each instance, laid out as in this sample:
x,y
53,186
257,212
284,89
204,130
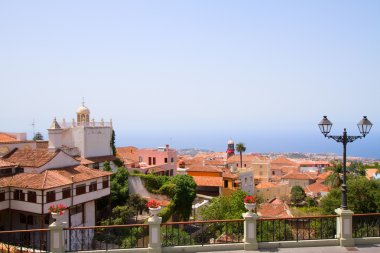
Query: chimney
x,y
167,147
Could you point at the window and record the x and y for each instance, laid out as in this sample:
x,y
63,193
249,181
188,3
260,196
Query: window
x,y
19,170
18,195
150,160
93,187
30,220
95,166
273,173
237,165
22,218
4,172
66,193
50,196
165,160
105,182
245,165
80,189
140,159
172,159
225,183
154,160
32,197
47,219
76,209
2,195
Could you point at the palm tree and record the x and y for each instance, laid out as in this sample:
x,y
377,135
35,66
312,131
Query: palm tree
x,y
334,180
240,148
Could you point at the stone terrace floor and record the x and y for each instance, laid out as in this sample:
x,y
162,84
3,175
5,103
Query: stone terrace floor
x,y
371,248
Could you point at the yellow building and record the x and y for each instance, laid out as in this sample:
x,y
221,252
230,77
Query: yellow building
x,y
269,190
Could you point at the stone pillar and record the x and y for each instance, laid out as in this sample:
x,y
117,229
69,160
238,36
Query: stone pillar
x,y
344,227
56,238
250,232
154,245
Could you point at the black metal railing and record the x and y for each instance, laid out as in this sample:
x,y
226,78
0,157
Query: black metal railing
x,y
37,240
202,232
366,225
296,229
106,237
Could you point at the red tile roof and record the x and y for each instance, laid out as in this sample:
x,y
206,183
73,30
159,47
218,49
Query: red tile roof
x,y
100,159
4,137
270,210
52,178
30,158
282,161
200,168
5,164
127,153
247,158
316,188
208,181
299,176
228,174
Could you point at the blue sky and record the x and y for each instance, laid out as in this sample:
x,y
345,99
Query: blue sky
x,y
195,73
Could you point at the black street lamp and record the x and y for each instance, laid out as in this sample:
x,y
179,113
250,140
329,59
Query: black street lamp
x,y
364,127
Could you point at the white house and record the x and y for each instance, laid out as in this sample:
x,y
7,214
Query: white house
x,y
32,179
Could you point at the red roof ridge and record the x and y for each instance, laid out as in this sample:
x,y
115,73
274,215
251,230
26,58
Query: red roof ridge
x,y
44,180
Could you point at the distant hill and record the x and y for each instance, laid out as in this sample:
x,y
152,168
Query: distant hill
x,y
192,151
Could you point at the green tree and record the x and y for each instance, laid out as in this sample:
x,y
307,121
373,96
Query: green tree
x,y
297,194
137,203
363,196
119,187
240,147
184,195
225,207
38,137
106,166
357,168
333,180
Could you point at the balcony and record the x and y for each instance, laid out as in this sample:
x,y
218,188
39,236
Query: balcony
x,y
250,233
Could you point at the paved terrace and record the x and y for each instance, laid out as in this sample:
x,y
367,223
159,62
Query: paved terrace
x,y
371,248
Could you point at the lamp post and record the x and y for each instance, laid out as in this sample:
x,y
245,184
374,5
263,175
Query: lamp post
x,y
364,127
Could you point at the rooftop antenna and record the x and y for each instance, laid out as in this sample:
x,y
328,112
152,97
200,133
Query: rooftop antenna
x,y
83,101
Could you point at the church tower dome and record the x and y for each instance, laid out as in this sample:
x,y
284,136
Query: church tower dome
x,y
83,114
230,148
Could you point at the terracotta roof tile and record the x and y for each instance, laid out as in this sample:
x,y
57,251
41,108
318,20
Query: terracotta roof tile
x,y
269,210
247,158
5,164
228,174
30,158
4,137
127,153
282,161
316,188
208,181
100,159
52,178
199,168
299,176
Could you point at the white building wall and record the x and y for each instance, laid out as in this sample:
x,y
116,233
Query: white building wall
x,y
61,160
247,182
89,209
97,141
68,138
